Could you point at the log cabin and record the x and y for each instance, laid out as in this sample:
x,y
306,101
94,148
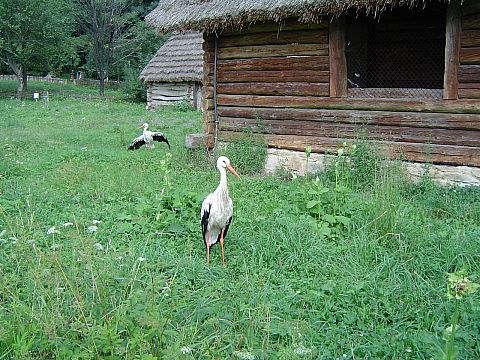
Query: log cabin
x,y
403,73
175,73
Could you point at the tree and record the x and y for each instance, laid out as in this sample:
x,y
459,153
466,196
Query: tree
x,y
33,34
104,22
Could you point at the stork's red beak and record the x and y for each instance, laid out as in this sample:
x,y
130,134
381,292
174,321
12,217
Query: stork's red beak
x,y
232,170
141,126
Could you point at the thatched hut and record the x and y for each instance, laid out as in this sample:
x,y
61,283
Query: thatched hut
x,y
175,72
404,73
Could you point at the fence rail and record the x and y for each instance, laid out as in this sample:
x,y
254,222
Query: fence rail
x,y
35,78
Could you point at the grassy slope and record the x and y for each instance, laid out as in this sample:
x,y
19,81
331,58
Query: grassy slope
x,y
374,291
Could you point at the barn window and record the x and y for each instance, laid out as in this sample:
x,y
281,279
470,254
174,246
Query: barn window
x,y
398,55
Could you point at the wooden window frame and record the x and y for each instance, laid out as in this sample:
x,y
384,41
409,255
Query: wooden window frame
x,y
338,62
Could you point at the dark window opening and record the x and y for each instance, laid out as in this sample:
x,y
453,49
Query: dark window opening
x,y
399,54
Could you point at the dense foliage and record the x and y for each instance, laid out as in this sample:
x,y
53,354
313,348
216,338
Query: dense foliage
x,y
103,39
102,257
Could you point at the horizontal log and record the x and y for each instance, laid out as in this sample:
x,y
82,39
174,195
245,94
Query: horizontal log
x,y
359,117
308,76
469,73
268,51
352,131
167,98
269,64
317,89
315,102
469,93
287,25
437,154
469,85
470,55
470,38
471,22
275,37
169,92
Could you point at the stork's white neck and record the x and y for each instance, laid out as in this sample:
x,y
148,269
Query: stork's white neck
x,y
222,187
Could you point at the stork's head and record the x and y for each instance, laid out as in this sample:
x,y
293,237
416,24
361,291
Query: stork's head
x,y
144,126
224,163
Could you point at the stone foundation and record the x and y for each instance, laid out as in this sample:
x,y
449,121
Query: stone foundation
x,y
295,161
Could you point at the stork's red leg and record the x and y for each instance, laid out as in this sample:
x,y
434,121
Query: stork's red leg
x,y
208,247
221,244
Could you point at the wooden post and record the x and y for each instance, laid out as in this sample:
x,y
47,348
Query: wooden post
x,y
452,50
338,61
208,58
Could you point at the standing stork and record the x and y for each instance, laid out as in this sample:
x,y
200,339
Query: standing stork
x,y
217,210
147,138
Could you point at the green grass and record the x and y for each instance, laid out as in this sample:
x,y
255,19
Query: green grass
x,y
8,88
330,269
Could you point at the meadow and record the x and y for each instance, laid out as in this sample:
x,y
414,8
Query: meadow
x,y
101,254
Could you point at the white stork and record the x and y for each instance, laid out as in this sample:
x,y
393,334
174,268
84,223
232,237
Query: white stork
x,y
217,210
147,138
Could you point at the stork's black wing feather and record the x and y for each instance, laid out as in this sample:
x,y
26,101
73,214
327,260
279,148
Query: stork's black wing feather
x,y
205,217
137,143
158,136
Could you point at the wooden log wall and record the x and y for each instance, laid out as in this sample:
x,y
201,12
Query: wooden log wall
x,y
469,70
160,94
275,83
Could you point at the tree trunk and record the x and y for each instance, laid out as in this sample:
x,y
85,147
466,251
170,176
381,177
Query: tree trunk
x,y
102,85
22,82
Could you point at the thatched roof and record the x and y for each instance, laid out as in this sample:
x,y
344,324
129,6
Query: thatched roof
x,y
213,15
179,59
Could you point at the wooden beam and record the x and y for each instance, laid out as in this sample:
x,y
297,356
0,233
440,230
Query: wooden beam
x,y
452,50
417,120
338,62
437,154
317,102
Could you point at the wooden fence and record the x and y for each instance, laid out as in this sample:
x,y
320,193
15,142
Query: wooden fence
x,y
35,78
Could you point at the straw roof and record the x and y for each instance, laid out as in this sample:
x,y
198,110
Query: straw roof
x,y
213,15
179,59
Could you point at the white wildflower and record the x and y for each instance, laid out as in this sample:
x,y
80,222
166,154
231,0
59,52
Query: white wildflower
x,y
3,232
141,259
186,350
95,222
84,148
52,231
302,350
92,228
67,224
246,355
98,246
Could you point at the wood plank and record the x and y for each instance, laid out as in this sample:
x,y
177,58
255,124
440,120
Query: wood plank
x,y
276,38
168,98
469,73
469,93
471,22
470,55
291,24
267,51
315,102
374,132
469,85
359,117
437,154
470,38
269,64
452,47
308,76
318,89
338,62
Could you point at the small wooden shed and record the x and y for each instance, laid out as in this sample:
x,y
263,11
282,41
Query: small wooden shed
x,y
175,72
404,73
